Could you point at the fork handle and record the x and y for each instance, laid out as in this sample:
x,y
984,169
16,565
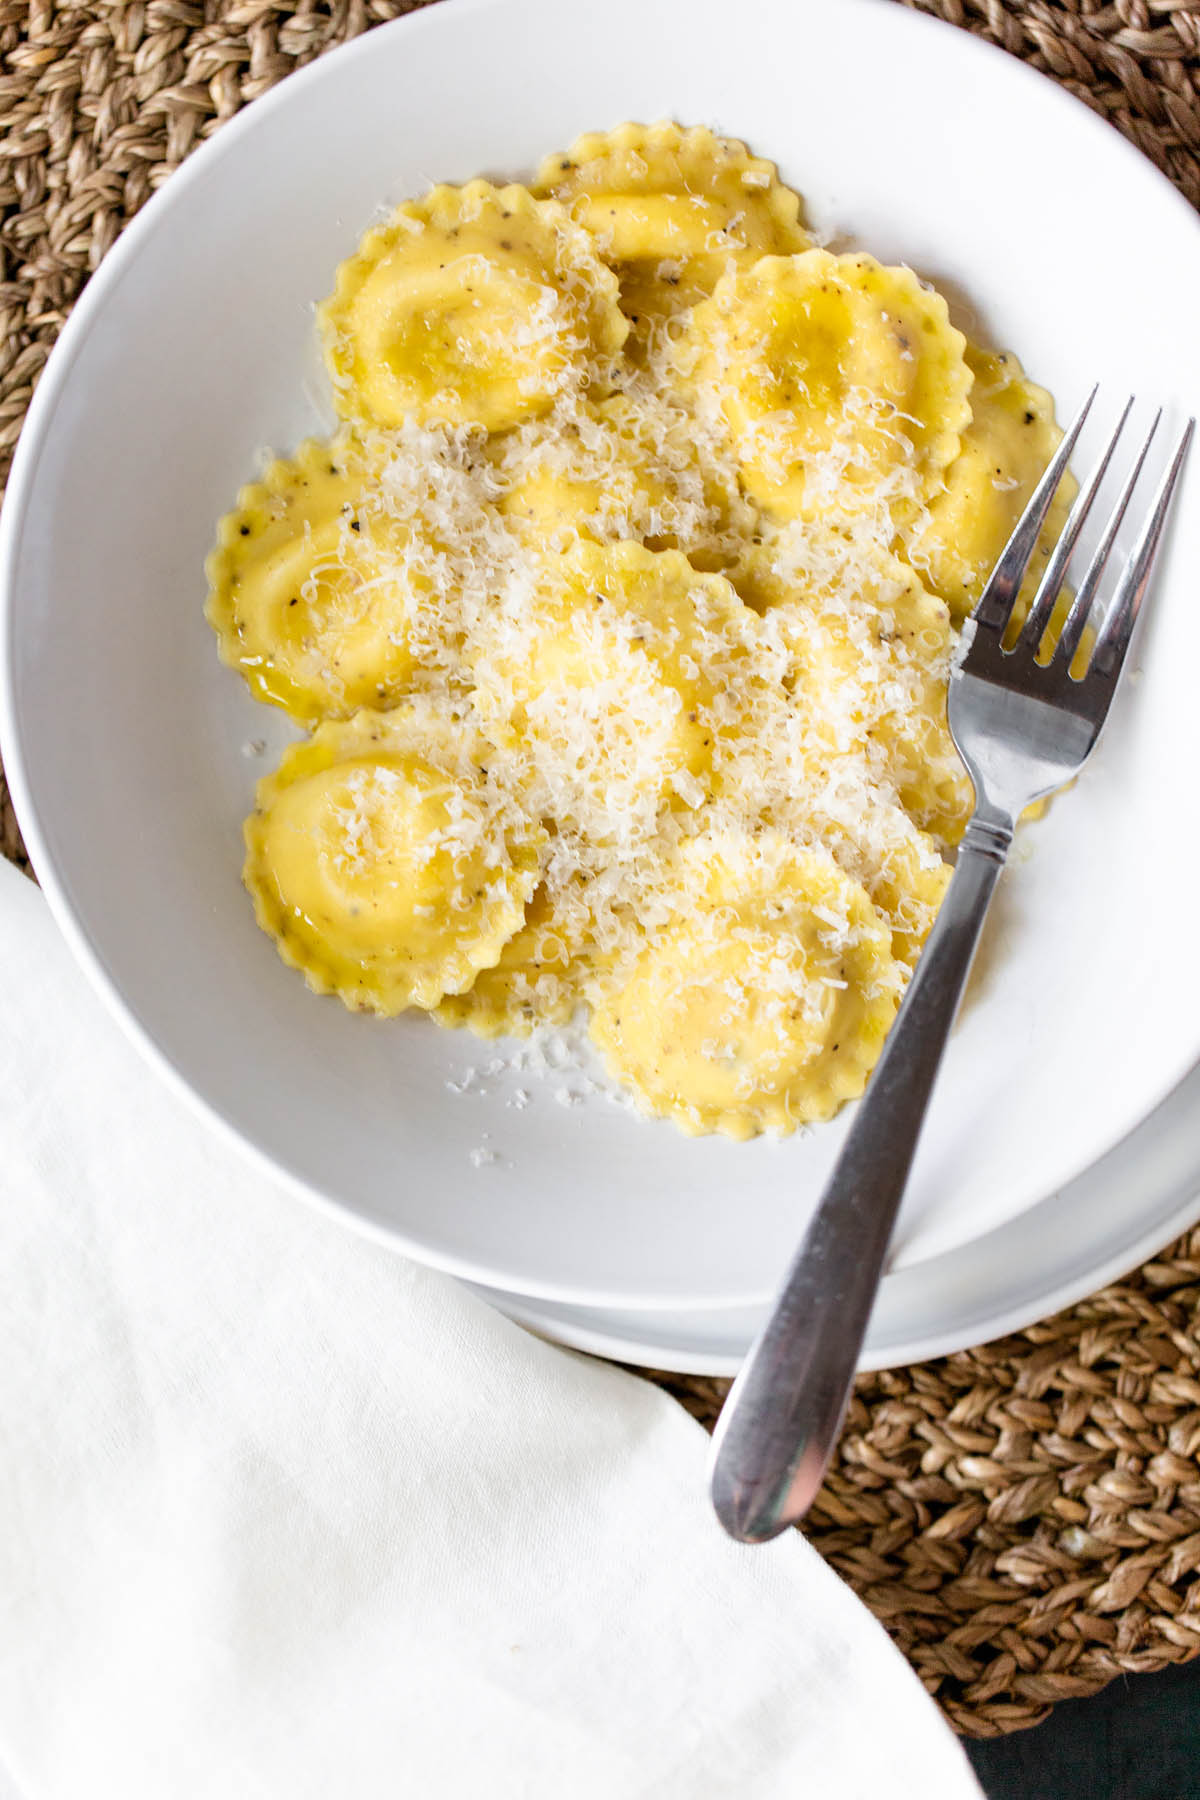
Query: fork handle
x,y
784,1413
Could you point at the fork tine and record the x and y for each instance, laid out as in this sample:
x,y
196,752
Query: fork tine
x,y
1071,635
1117,629
996,602
1034,628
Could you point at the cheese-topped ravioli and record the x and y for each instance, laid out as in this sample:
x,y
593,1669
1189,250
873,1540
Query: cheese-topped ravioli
x,y
869,653
672,209
899,866
313,588
907,886
627,468
594,478
842,383
1005,448
474,306
612,677
386,865
539,979
623,605
764,1004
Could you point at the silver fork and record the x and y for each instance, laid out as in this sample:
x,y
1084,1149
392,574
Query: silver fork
x,y
1023,728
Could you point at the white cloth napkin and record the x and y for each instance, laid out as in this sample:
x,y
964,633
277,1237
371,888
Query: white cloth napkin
x,y
282,1515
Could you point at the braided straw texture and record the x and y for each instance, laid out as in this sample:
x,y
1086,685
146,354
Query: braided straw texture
x,y
1024,1518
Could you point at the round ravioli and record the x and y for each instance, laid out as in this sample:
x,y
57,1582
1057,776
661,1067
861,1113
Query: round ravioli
x,y
474,306
907,886
899,866
842,383
386,865
628,468
672,209
613,678
596,478
538,980
869,655
1005,448
312,588
764,1004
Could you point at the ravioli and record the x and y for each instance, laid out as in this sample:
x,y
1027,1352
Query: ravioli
x,y
311,594
539,979
1005,449
902,871
613,677
672,210
623,470
599,480
764,1004
474,306
384,864
869,654
842,383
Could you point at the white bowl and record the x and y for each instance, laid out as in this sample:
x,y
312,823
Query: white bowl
x,y
122,736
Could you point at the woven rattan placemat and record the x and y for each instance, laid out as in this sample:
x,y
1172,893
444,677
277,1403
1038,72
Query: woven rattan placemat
x,y
1024,1518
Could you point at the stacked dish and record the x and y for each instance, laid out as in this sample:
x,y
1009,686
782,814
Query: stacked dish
x,y
1057,1150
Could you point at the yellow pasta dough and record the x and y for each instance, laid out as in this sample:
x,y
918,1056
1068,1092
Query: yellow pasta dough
x,y
869,654
310,594
621,610
623,471
672,210
842,382
764,1004
612,673
474,306
599,480
1011,437
382,862
539,979
905,876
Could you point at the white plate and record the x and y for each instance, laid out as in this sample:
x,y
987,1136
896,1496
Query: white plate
x,y
122,736
1111,1219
